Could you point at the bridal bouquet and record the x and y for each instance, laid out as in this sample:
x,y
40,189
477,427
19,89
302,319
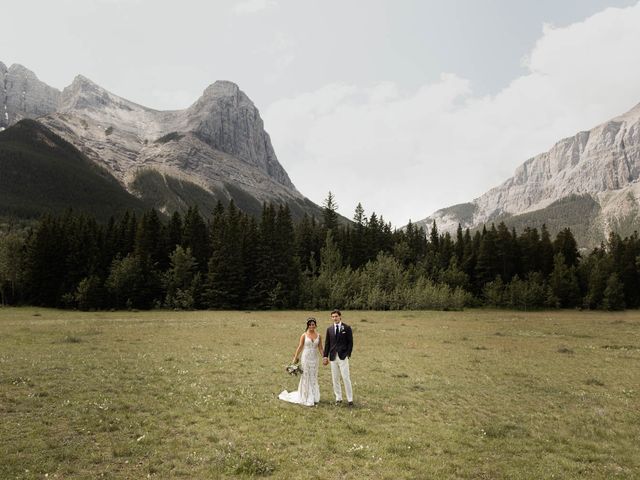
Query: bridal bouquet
x,y
294,369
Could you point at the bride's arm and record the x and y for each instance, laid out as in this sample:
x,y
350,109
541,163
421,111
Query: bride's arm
x,y
320,349
299,349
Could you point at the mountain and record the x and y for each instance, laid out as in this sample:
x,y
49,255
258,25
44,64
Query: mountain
x,y
40,172
22,95
216,149
589,182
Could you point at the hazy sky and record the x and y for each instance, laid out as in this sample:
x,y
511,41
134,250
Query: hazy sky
x,y
406,106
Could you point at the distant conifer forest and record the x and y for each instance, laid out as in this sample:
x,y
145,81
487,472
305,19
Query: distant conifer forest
x,y
236,261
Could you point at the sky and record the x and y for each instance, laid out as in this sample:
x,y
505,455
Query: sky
x,y
404,106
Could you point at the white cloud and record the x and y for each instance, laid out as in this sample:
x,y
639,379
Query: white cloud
x,y
249,7
406,154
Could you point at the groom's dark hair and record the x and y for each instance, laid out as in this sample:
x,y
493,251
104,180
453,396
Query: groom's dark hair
x,y
335,310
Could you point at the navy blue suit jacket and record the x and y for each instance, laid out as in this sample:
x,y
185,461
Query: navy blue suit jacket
x,y
340,345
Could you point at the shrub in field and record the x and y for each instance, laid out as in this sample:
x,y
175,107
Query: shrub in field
x,y
182,281
133,282
90,293
494,293
613,297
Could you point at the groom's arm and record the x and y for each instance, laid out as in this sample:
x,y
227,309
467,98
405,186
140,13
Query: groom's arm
x,y
327,342
349,341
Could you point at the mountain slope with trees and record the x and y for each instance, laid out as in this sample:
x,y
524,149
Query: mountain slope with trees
x,y
40,172
215,150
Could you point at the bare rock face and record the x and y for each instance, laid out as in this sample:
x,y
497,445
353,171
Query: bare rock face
x,y
228,121
219,140
602,159
22,95
603,163
218,143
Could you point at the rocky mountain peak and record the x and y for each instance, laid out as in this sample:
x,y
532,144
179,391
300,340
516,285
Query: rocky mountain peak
x,y
600,166
219,139
222,88
20,70
88,98
225,118
80,82
84,94
222,94
23,95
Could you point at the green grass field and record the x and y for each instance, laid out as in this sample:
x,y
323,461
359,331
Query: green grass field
x,y
475,394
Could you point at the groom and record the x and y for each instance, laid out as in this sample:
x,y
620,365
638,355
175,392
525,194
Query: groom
x,y
337,350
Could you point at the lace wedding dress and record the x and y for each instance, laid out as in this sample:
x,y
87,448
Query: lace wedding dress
x,y
308,392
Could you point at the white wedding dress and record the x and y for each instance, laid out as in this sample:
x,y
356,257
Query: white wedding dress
x,y
308,392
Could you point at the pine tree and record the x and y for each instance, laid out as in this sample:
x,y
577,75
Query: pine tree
x,y
84,250
486,264
630,274
12,253
250,258
359,217
149,238
224,286
45,263
373,234
416,241
566,245
564,283
261,293
505,253
623,254
330,212
469,253
109,247
596,269
434,239
307,245
330,258
126,234
459,246
195,236
182,281
530,251
546,252
174,231
358,248
613,298
287,273
447,251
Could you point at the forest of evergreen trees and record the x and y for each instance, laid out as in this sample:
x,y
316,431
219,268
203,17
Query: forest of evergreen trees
x,y
236,261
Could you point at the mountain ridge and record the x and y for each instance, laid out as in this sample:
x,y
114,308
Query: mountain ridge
x,y
602,163
218,143
23,95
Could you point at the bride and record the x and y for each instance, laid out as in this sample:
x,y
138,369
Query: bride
x,y
310,345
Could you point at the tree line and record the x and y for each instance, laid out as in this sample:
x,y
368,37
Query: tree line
x,y
236,261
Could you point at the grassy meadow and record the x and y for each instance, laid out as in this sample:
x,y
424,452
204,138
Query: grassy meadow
x,y
478,394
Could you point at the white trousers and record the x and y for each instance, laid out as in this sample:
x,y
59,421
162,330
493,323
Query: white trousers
x,y
340,368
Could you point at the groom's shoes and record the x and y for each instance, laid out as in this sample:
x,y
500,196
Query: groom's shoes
x,y
350,404
338,403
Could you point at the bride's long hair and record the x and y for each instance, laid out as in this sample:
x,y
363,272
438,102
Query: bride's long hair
x,y
311,320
